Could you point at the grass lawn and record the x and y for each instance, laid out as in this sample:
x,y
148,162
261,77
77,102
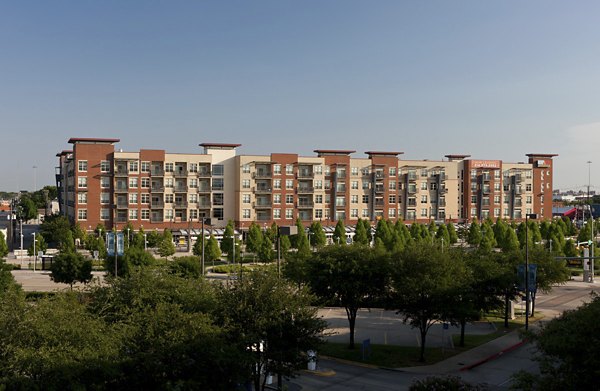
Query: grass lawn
x,y
393,356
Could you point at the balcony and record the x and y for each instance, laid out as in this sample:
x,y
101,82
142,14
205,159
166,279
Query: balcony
x,y
486,190
380,204
204,189
262,190
262,174
411,176
379,175
305,190
158,189
518,178
486,177
305,175
204,173
157,205
121,189
122,205
262,205
411,189
203,205
157,172
517,204
180,173
379,189
181,204
518,190
121,172
305,205
180,189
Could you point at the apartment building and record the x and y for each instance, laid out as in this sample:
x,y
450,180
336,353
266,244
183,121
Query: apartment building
x,y
155,189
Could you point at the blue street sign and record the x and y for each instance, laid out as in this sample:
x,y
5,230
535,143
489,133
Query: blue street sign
x,y
532,277
110,243
120,243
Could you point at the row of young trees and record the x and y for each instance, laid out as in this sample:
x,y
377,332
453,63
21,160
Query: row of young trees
x,y
425,282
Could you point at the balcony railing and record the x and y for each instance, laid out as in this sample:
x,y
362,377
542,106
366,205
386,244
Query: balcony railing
x,y
262,190
157,205
412,176
181,204
305,175
262,174
204,173
181,189
305,204
158,189
121,189
121,172
180,173
305,189
157,172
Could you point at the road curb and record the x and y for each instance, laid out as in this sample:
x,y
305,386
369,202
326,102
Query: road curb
x,y
349,362
494,356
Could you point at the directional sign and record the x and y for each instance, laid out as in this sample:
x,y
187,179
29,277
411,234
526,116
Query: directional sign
x,y
532,277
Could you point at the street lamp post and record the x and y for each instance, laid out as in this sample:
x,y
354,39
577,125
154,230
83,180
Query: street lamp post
x,y
34,253
527,217
592,236
128,238
21,235
145,242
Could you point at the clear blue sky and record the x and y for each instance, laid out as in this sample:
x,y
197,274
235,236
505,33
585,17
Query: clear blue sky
x,y
491,79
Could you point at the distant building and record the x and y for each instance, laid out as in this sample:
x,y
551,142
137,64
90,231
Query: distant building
x,y
154,189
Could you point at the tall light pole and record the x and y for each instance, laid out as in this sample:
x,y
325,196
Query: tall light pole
x,y
527,217
592,236
34,253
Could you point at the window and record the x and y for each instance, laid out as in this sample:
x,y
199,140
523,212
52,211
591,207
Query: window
x,y
365,185
528,187
276,213
318,184
318,199
168,198
365,213
104,214
145,166
145,198
217,184
473,174
245,198
473,199
193,198
289,184
354,170
133,198
506,187
218,169
104,166
423,199
496,200
133,214
277,198
423,185
528,174
289,213
423,172
246,213
392,185
354,185
82,165
318,169
289,199
354,199
133,183
353,212
423,212
497,186
277,169
133,166
340,201
218,213
392,199
194,183
289,169
506,213
365,199
277,183
168,182
105,198
318,213
473,212
82,198
327,198
245,183
326,170
528,199
82,214
193,167
391,212
104,182
433,186
496,211
82,182
217,199
145,183
246,169
392,171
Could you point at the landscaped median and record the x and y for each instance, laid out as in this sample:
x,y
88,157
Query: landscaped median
x,y
394,356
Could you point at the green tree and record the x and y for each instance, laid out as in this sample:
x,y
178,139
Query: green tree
x,y
360,234
54,228
568,357
264,309
266,252
254,238
452,233
318,239
40,245
423,279
212,252
136,256
154,238
474,237
26,210
166,247
227,240
511,241
443,235
339,233
71,267
67,243
353,277
187,267
384,233
3,245
284,245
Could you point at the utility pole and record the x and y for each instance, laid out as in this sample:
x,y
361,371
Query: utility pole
x,y
592,236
